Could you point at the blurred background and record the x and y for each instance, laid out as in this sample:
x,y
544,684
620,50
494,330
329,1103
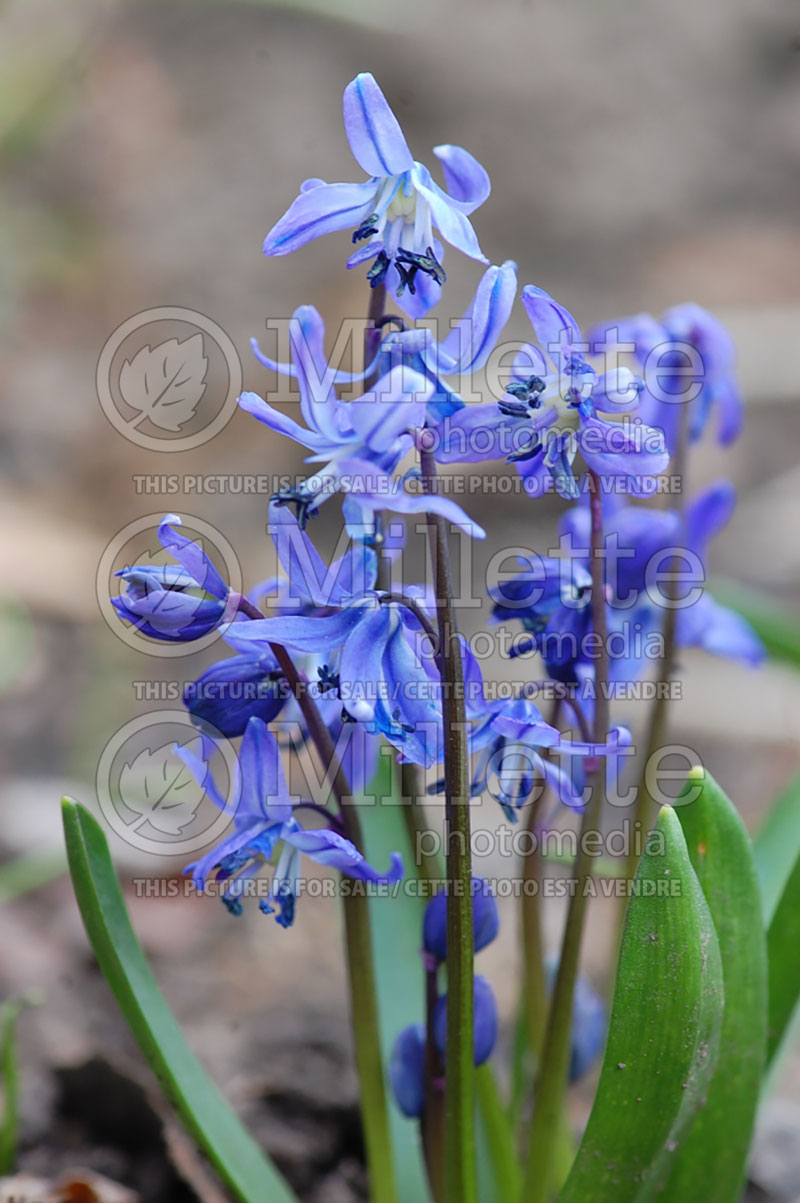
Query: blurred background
x,y
640,156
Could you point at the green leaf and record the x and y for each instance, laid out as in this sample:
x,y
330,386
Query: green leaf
x,y
663,1032
710,1164
207,1116
777,847
783,941
396,925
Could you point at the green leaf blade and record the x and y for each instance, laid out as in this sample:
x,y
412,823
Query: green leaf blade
x,y
207,1116
663,1031
711,1161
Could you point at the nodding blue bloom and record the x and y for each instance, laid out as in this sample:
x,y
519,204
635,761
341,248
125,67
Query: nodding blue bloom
x,y
264,818
467,346
687,357
588,1029
176,602
552,599
485,920
407,1070
226,695
553,410
359,442
588,1032
485,1021
641,543
375,658
392,214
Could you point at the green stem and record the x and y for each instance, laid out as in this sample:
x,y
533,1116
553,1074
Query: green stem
x,y
541,1173
645,808
533,950
428,866
459,1121
360,967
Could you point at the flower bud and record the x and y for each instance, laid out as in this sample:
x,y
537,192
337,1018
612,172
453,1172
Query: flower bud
x,y
485,920
484,1021
407,1070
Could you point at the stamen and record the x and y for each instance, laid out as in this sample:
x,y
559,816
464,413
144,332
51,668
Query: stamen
x,y
303,501
427,263
366,229
377,273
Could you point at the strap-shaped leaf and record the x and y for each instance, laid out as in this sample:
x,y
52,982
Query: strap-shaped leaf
x,y
663,1032
783,942
207,1116
777,847
711,1162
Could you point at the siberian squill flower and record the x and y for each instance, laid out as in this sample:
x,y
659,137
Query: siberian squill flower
x,y
264,818
394,213
645,541
687,357
485,920
176,602
370,644
466,347
359,443
551,410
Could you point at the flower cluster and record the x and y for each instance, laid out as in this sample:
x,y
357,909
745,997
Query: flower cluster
x,y
354,663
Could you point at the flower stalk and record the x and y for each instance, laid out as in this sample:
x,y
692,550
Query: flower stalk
x,y
358,941
459,1120
541,1173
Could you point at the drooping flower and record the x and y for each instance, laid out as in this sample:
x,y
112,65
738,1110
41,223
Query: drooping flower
x,y
687,357
360,443
234,690
555,406
644,542
394,213
177,602
485,1021
467,346
485,920
373,655
264,818
407,1070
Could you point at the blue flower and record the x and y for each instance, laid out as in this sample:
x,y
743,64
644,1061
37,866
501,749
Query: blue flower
x,y
588,1029
372,645
554,409
641,543
407,1070
263,820
359,442
394,213
226,695
467,346
485,920
177,602
485,1021
687,356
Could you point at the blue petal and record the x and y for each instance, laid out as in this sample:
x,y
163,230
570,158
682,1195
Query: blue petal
x,y
718,630
264,791
617,391
281,424
472,339
707,513
555,327
451,222
619,449
407,1070
484,1020
330,848
200,769
376,490
319,211
361,655
467,181
307,635
226,695
189,553
372,129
